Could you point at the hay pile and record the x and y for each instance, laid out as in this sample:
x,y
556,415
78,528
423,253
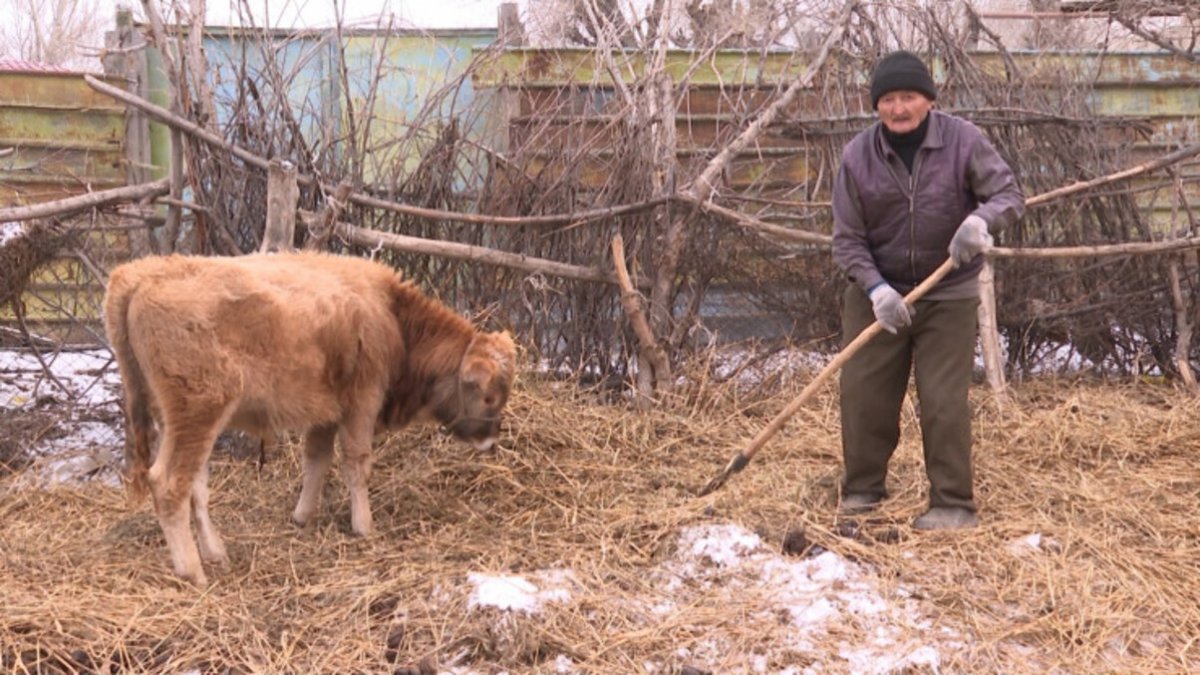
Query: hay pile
x,y
1088,559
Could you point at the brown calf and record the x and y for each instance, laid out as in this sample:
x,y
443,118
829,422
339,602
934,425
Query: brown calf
x,y
331,345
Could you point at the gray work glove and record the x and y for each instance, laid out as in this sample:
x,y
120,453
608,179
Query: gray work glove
x,y
889,307
970,239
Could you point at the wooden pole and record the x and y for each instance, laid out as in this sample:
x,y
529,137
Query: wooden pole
x,y
91,200
989,333
651,356
126,58
743,458
510,32
174,210
282,195
448,249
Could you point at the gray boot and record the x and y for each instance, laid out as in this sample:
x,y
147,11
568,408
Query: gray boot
x,y
946,518
854,503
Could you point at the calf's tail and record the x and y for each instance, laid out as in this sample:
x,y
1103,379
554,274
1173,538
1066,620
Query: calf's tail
x,y
139,421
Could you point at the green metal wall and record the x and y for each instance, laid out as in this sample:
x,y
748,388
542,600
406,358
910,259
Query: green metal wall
x,y
67,138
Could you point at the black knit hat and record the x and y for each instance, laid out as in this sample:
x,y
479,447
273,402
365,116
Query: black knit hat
x,y
901,70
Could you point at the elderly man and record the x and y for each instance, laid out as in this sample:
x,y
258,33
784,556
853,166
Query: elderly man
x,y
914,187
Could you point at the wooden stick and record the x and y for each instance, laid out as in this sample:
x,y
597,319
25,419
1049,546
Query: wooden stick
x,y
743,458
654,356
702,188
1079,186
447,249
90,200
175,121
750,222
480,219
1132,248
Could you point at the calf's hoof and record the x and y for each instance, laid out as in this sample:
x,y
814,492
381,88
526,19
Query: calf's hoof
x,y
195,578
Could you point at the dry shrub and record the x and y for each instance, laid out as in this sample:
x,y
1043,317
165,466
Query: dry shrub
x,y
26,252
1103,473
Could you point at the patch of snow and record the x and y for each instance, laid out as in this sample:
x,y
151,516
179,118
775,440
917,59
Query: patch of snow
x,y
1026,545
721,545
817,596
82,390
1031,544
516,593
83,378
10,231
816,599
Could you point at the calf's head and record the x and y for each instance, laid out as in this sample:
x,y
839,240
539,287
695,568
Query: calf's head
x,y
469,404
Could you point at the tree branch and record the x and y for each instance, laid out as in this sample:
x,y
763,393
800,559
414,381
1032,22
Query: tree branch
x,y
705,183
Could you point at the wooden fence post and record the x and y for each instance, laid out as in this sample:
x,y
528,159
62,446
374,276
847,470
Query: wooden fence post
x,y
320,228
282,195
510,32
174,221
989,332
126,59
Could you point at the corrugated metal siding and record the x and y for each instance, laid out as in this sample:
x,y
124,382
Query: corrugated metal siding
x,y
67,140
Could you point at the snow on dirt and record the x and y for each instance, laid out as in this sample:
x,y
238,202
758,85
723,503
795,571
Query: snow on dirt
x,y
78,395
725,564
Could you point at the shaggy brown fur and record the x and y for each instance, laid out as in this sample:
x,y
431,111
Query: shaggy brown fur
x,y
333,346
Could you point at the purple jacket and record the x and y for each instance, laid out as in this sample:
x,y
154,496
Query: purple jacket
x,y
890,226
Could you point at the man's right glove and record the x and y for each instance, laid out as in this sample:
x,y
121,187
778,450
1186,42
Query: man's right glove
x,y
889,307
970,239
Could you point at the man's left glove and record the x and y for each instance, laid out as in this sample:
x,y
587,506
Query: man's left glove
x,y
971,239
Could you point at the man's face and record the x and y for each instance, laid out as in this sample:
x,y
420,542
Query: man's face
x,y
902,111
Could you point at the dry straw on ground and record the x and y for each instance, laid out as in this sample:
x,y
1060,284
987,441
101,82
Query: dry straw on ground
x,y
1102,478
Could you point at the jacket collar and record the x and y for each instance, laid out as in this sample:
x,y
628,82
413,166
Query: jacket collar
x,y
933,135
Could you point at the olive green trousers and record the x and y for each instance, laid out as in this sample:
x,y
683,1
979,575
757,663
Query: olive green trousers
x,y
939,348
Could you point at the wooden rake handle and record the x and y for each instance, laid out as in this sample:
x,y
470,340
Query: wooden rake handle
x,y
743,458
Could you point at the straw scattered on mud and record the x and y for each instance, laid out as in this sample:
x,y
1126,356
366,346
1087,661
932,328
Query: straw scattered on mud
x,y
1087,560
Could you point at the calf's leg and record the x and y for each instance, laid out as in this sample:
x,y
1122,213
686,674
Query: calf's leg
x,y
172,477
212,549
318,455
356,438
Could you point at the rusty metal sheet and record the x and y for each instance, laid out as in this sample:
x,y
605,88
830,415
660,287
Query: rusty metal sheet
x,y
1100,68
67,138
48,90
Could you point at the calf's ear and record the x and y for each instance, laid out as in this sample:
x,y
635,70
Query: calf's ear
x,y
502,348
478,370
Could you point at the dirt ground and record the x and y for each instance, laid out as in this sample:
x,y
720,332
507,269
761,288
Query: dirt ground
x,y
1087,558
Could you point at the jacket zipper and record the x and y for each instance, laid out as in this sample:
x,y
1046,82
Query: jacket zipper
x,y
912,219
912,211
